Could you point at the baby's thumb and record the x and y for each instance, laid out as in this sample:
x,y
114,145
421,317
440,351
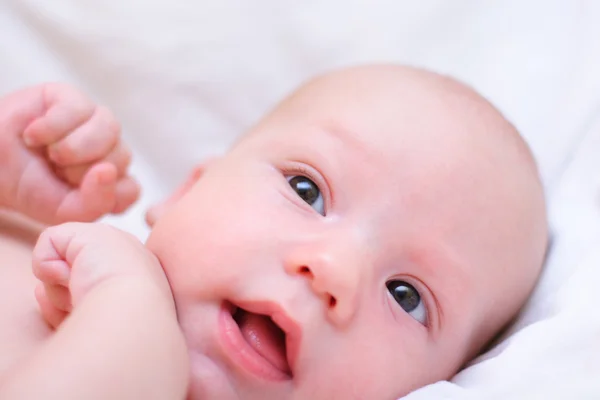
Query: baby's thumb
x,y
94,198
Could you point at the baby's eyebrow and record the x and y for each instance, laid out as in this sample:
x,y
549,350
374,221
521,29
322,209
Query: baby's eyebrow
x,y
348,137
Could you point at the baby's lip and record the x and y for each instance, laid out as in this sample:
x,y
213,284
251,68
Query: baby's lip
x,y
290,327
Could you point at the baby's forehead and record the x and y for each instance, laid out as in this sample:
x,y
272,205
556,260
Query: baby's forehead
x,y
424,138
391,118
391,104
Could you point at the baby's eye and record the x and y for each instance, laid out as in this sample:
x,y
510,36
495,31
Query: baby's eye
x,y
409,299
308,191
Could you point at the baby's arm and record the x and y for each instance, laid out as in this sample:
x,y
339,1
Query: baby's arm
x,y
121,339
61,157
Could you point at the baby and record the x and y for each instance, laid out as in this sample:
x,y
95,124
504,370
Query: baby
x,y
366,238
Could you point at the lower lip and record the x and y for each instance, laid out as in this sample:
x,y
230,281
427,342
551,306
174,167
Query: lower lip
x,y
241,353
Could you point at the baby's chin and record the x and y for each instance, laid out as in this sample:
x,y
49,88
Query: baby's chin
x,y
208,380
211,381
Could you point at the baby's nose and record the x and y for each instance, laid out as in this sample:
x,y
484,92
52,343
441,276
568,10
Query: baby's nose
x,y
334,275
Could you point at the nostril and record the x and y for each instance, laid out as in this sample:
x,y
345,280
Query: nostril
x,y
332,301
307,273
304,270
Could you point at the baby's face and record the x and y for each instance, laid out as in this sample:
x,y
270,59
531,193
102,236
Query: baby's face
x,y
351,247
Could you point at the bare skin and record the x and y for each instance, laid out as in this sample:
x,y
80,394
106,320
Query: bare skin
x,y
48,114
62,160
18,308
379,215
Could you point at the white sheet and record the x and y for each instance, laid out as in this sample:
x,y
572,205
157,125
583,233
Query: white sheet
x,y
187,77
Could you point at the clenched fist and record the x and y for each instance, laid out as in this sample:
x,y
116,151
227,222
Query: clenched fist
x,y
62,157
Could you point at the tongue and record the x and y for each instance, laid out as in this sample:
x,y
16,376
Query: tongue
x,y
266,338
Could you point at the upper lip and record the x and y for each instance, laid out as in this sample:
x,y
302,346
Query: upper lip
x,y
290,327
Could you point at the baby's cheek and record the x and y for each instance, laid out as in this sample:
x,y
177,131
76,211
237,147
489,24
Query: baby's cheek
x,y
387,360
363,375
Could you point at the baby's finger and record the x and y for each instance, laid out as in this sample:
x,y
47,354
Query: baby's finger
x,y
52,315
126,193
94,198
120,157
66,109
92,141
49,254
59,296
51,271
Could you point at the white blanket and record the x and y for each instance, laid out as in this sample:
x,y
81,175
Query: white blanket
x,y
186,77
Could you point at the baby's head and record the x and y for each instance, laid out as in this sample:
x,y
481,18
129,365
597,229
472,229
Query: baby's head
x,y
388,220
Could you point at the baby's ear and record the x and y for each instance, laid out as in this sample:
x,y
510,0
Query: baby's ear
x,y
157,210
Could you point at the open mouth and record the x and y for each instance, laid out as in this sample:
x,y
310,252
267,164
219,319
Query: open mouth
x,y
259,338
264,336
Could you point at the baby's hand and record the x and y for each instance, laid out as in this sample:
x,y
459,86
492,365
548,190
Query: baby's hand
x,y
61,157
72,259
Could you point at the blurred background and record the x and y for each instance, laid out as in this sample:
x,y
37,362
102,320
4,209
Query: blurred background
x,y
200,72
